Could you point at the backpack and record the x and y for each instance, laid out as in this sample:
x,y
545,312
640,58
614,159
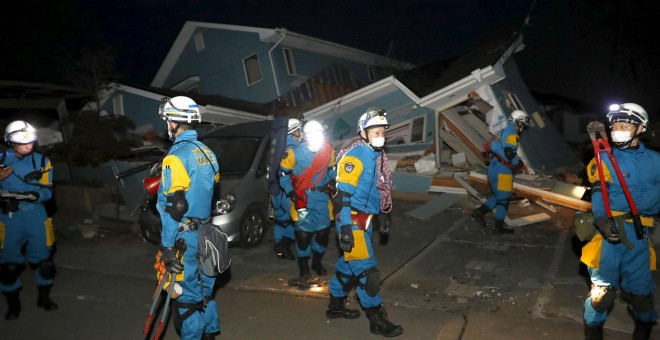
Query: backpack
x,y
213,250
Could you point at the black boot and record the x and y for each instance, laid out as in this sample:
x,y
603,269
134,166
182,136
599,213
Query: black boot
x,y
593,332
44,300
316,264
379,325
14,310
501,229
303,265
337,309
283,249
642,330
478,215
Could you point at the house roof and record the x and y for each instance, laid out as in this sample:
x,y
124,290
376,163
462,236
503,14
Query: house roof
x,y
429,78
274,36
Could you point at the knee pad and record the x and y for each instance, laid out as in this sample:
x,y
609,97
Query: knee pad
x,y
346,285
46,269
9,272
639,303
602,298
322,237
303,239
372,281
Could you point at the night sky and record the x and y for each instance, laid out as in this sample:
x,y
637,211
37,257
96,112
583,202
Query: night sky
x,y
595,51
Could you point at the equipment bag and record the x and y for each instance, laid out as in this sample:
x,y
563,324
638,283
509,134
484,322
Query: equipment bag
x,y
213,252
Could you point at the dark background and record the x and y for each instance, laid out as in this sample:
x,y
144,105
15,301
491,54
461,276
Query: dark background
x,y
598,52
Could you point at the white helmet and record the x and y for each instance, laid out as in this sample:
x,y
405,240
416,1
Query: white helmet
x,y
374,117
20,132
628,113
179,109
313,135
294,125
520,117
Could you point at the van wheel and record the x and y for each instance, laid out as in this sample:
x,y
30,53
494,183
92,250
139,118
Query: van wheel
x,y
253,228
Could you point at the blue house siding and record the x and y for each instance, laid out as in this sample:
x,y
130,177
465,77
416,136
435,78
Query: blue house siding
x,y
220,66
142,111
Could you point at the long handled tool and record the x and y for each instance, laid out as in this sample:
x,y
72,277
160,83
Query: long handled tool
x,y
180,247
602,145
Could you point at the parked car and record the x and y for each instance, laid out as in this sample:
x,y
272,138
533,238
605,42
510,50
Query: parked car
x,y
241,199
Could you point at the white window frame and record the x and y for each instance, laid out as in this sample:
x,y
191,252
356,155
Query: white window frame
x,y
406,129
245,69
290,62
118,105
514,101
189,85
199,41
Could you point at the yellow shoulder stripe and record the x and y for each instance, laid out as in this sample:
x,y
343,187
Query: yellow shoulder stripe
x,y
512,139
349,170
592,172
289,160
178,175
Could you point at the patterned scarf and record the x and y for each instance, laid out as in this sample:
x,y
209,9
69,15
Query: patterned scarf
x,y
384,183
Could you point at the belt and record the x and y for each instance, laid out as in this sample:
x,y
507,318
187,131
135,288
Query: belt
x,y
318,188
191,225
647,221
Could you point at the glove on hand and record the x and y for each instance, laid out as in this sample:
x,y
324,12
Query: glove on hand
x,y
384,222
346,241
172,264
608,229
33,193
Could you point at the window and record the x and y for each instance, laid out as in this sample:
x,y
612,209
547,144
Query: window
x,y
288,58
252,69
199,42
417,130
411,131
118,105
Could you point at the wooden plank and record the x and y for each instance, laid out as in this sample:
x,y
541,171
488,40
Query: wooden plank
x,y
481,199
435,206
522,221
455,119
547,206
457,145
548,196
449,190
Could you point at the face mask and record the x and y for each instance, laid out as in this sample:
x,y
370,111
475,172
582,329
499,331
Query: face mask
x,y
378,142
621,136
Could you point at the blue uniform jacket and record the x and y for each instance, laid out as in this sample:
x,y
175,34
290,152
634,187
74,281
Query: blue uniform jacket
x,y
23,166
186,167
357,175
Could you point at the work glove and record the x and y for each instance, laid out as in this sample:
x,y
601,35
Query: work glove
x,y
384,223
172,264
33,193
346,241
608,229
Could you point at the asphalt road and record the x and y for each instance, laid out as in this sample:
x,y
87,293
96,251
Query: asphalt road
x,y
442,278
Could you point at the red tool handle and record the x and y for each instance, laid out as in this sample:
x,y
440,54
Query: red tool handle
x,y
601,176
147,324
159,330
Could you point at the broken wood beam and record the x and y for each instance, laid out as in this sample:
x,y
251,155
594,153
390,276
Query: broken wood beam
x,y
547,206
548,196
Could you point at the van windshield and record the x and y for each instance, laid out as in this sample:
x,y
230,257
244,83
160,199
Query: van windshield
x,y
235,154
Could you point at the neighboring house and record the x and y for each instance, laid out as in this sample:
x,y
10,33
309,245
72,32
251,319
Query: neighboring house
x,y
429,107
570,116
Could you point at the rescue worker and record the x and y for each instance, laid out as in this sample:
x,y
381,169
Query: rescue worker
x,y
307,173
24,221
283,230
616,258
503,161
189,175
384,184
357,177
